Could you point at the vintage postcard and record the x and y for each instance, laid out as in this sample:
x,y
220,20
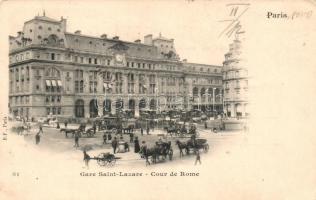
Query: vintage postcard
x,y
157,100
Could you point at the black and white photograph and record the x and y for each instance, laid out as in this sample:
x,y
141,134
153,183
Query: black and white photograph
x,y
157,100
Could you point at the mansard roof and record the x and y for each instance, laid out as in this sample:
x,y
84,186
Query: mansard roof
x,y
106,46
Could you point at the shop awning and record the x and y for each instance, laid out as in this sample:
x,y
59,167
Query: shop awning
x,y
54,83
59,83
48,83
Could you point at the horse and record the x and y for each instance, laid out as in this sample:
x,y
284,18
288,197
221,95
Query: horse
x,y
149,152
182,146
164,149
171,131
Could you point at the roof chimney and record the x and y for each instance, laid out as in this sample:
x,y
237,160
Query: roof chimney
x,y
137,41
116,38
78,32
148,39
104,36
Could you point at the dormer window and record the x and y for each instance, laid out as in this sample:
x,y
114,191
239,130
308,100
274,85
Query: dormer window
x,y
49,28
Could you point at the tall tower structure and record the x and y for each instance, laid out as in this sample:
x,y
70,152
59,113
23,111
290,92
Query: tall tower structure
x,y
235,80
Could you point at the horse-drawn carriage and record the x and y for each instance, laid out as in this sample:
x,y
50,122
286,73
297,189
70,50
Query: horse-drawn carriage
x,y
105,159
81,130
193,144
160,151
181,130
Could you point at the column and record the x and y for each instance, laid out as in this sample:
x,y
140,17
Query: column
x,y
136,107
125,80
113,106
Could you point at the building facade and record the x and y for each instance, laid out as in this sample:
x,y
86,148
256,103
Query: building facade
x,y
235,81
54,72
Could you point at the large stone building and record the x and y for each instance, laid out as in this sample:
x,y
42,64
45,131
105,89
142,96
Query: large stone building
x,y
235,80
54,72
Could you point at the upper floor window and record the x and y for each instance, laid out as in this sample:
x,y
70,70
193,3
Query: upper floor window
x,y
49,28
40,27
52,56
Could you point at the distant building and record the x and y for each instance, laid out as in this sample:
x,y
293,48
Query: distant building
x,y
54,72
235,81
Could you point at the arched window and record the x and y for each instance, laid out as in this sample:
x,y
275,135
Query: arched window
x,y
79,108
142,104
52,39
153,104
107,106
195,91
93,108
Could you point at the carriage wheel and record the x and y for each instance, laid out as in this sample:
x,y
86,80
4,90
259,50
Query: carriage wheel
x,y
111,161
206,148
101,159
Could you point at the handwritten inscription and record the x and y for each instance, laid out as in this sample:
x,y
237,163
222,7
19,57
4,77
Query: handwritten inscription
x,y
291,15
234,27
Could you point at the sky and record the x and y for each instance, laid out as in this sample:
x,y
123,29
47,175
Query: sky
x,y
195,26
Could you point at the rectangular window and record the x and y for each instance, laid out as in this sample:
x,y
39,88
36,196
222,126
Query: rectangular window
x,y
109,62
76,86
89,60
95,61
81,86
52,56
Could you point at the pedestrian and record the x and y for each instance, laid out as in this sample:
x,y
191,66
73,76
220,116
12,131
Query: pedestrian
x,y
76,140
66,123
205,125
40,129
86,158
104,138
198,157
131,137
109,136
136,145
147,130
114,145
58,127
37,138
94,128
141,131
